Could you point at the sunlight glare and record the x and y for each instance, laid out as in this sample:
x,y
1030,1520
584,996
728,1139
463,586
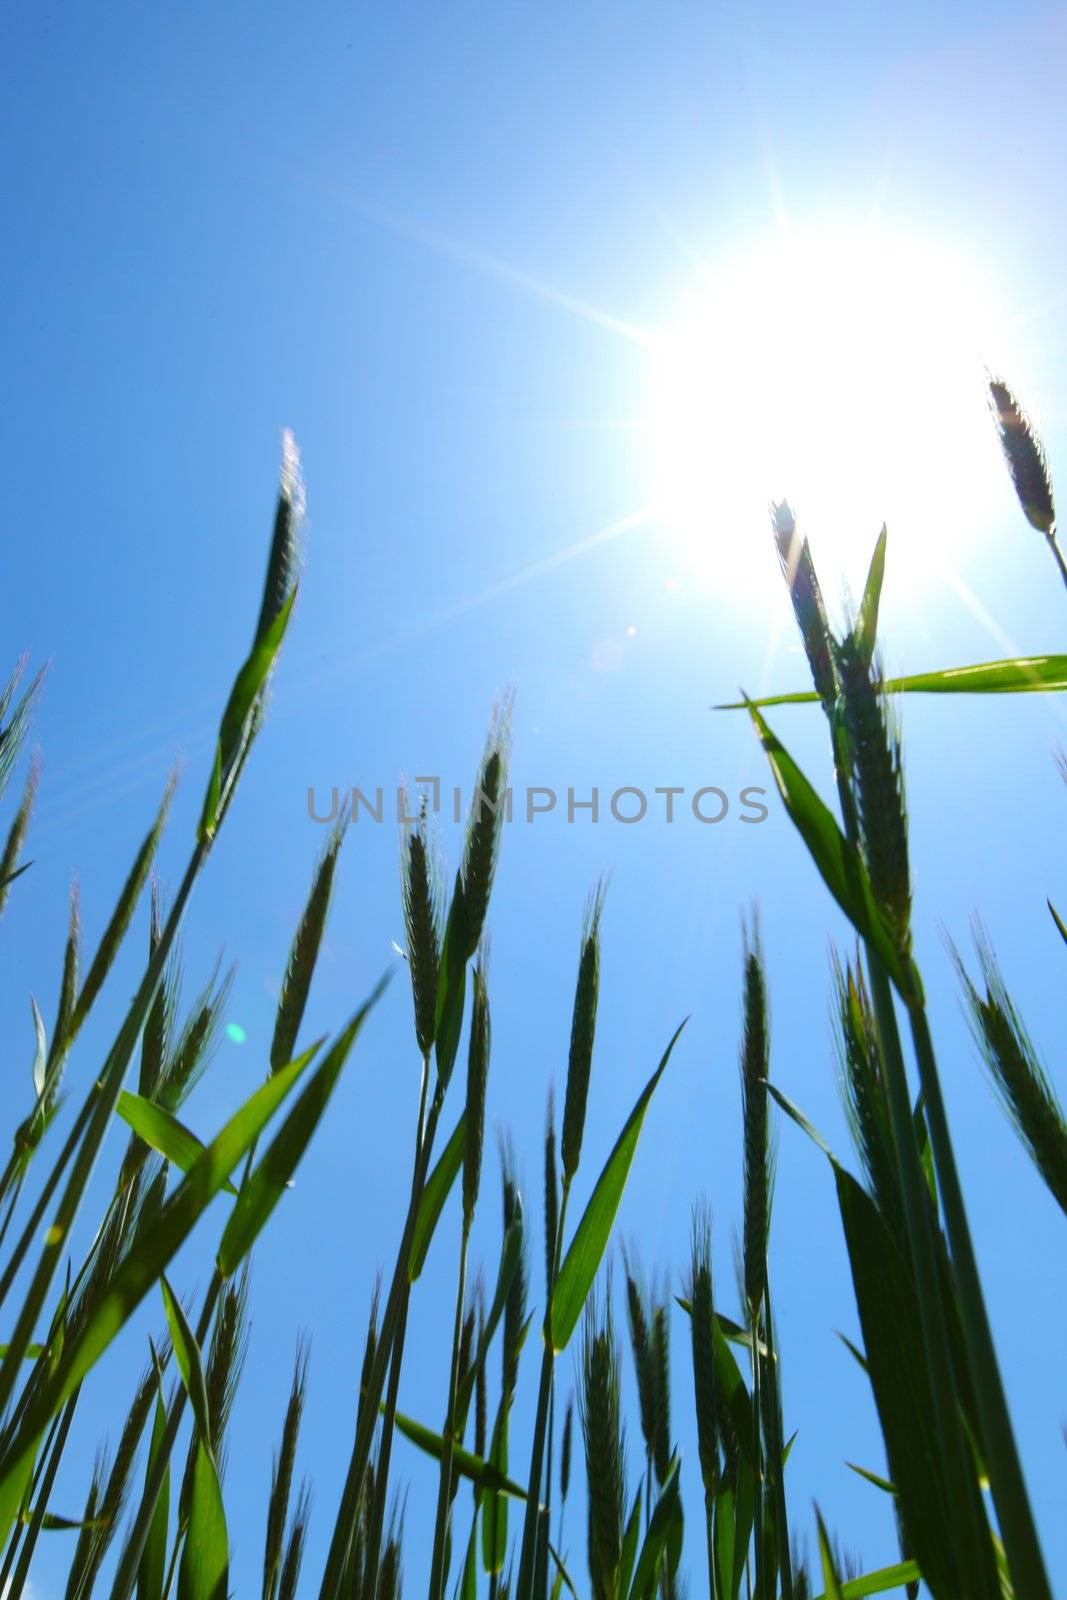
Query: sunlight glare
x,y
843,375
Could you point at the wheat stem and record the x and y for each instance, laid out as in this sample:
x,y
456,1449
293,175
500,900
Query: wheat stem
x,y
379,1498
438,1572
524,1586
367,1411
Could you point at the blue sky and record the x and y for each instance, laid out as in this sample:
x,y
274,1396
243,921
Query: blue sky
x,y
444,246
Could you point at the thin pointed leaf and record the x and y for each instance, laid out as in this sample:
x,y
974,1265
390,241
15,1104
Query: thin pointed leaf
x,y
1016,675
51,1523
800,1119
141,1268
435,1192
115,931
204,1572
872,1477
187,1355
582,1261
166,1135
40,1058
665,1519
268,1182
879,1582
829,1571
866,629
481,1473
629,1544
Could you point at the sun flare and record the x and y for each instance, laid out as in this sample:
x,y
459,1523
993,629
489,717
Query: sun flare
x,y
845,375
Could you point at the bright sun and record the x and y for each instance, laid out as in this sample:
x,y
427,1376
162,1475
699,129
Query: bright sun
x,y
845,375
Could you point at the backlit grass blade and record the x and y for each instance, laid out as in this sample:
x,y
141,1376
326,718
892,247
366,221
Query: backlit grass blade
x,y
880,1582
266,1184
872,1477
666,1520
581,1263
629,1545
85,1139
204,1571
115,931
829,1569
40,1056
866,629
187,1355
163,1132
1061,927
477,1471
797,1116
839,863
437,1189
1015,675
140,1269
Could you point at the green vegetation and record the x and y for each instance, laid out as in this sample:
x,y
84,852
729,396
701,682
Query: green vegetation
x,y
155,1511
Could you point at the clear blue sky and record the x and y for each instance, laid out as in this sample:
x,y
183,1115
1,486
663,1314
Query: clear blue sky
x,y
385,228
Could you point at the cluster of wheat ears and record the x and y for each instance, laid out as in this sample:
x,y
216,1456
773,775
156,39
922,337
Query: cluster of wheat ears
x,y
154,1512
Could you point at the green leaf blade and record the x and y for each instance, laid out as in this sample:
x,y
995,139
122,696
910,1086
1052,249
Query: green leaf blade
x,y
582,1261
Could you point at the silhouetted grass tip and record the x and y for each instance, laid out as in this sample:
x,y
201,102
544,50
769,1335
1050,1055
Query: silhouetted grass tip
x,y
1018,1075
798,570
283,563
583,1032
1025,457
485,824
758,1163
421,890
